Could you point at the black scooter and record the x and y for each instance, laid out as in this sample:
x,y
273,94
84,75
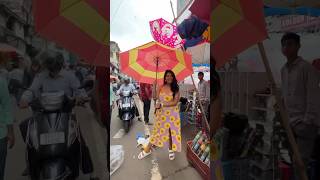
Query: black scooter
x,y
127,109
54,142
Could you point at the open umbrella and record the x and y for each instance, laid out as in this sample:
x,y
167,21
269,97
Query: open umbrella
x,y
236,20
80,26
148,62
165,33
202,9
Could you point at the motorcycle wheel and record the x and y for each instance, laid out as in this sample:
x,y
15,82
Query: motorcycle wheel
x,y
126,126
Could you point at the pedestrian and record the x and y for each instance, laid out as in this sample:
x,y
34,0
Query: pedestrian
x,y
204,92
145,96
166,130
30,73
112,99
7,137
301,93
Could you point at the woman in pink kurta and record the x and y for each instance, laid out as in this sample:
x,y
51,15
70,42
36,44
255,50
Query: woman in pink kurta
x,y
166,130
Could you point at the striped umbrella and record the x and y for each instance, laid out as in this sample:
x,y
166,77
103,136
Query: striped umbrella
x,y
80,26
148,63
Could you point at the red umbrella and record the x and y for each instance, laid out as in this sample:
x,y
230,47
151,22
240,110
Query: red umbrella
x,y
80,26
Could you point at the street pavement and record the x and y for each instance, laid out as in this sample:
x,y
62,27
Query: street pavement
x,y
157,166
94,135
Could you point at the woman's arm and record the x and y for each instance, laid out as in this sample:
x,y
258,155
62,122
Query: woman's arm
x,y
174,102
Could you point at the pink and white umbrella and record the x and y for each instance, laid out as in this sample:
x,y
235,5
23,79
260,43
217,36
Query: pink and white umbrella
x,y
165,33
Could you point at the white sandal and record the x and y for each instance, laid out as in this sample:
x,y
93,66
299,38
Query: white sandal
x,y
171,155
143,154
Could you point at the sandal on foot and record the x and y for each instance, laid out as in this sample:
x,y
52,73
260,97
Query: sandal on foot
x,y
171,155
143,154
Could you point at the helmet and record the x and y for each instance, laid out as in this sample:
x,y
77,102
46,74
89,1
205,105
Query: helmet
x,y
53,61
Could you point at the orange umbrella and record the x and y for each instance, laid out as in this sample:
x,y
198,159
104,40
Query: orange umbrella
x,y
148,63
237,26
80,26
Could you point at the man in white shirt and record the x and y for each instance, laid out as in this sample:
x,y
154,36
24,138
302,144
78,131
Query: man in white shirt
x,y
204,92
127,86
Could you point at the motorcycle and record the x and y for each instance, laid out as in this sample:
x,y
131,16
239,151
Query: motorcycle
x,y
54,142
127,109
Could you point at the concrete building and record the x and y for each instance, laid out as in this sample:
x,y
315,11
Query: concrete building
x,y
114,58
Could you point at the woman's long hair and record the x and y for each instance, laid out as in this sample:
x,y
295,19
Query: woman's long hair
x,y
174,85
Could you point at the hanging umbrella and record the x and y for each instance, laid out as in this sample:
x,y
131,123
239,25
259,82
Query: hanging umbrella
x,y
79,26
148,63
165,33
200,53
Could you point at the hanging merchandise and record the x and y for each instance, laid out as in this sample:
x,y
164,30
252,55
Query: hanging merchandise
x,y
194,31
165,33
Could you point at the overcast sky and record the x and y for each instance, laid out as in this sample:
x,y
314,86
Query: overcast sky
x,y
130,20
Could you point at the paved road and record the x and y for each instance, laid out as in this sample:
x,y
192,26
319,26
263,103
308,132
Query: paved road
x,y
156,167
93,133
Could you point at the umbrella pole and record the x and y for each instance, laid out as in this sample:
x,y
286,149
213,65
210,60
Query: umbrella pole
x,y
155,87
284,116
201,107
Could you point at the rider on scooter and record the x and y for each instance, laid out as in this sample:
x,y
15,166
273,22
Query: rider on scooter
x,y
127,86
53,79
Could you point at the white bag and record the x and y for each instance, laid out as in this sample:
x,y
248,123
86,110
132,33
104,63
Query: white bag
x,y
116,157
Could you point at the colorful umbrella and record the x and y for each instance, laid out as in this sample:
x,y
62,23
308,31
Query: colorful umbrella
x,y
148,62
242,26
80,26
202,9
165,33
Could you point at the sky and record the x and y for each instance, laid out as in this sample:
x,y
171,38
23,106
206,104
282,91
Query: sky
x,y
129,20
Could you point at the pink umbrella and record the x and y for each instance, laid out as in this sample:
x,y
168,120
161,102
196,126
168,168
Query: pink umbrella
x,y
165,33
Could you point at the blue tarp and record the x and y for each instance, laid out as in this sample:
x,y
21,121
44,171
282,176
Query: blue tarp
x,y
273,11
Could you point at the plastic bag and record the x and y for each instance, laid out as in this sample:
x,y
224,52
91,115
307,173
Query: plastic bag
x,y
116,157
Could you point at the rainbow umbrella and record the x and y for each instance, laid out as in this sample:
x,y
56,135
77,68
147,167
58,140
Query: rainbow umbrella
x,y
148,63
165,33
80,26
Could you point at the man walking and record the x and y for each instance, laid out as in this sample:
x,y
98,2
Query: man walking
x,y
145,96
204,92
6,122
301,93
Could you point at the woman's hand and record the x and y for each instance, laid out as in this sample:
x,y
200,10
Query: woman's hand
x,y
158,105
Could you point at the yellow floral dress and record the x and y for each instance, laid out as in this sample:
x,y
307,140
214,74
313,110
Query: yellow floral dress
x,y
167,118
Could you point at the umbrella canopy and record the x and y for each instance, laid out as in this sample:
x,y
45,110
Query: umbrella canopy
x,y
200,53
165,33
80,26
242,26
149,62
202,9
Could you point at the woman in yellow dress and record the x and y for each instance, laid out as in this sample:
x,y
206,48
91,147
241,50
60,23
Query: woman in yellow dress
x,y
166,130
